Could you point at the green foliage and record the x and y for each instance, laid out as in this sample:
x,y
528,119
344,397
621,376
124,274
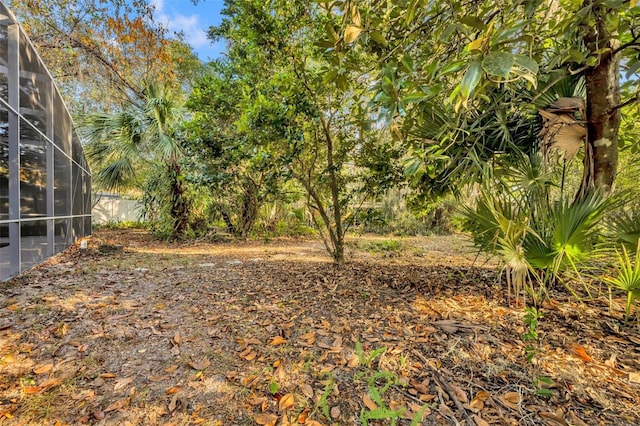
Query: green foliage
x,y
540,242
532,317
366,359
626,229
627,278
322,402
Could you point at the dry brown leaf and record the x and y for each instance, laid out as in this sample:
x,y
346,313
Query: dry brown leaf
x,y
554,417
475,405
575,420
286,402
43,369
171,369
117,405
480,421
122,383
368,402
307,390
265,419
50,383
513,397
354,361
257,400
278,340
251,356
302,418
177,339
108,375
199,365
30,390
173,404
335,412
580,352
313,423
81,396
634,377
460,393
172,390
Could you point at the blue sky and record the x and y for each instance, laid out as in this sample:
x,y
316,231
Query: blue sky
x,y
193,21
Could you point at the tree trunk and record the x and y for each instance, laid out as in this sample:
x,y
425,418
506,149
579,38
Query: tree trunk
x,y
338,243
179,209
603,115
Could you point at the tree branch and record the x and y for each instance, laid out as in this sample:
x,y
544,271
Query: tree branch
x,y
628,102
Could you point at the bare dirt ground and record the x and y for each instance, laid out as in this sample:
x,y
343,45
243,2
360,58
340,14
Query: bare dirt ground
x,y
134,331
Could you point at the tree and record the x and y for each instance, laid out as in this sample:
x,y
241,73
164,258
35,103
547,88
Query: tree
x,y
297,103
122,144
234,164
440,62
104,49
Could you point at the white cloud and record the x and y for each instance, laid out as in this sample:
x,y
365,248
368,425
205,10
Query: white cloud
x,y
176,22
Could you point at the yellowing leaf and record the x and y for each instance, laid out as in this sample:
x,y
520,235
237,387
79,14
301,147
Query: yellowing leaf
x,y
476,44
368,402
286,402
351,33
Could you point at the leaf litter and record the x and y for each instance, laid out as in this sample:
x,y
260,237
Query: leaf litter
x,y
276,334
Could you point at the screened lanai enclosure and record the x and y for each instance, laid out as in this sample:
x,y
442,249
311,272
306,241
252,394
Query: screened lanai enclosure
x,y
45,183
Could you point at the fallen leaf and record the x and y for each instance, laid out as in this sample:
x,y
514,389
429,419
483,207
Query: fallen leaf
x,y
30,390
171,369
313,423
122,383
634,377
286,402
108,375
513,397
83,395
50,383
177,339
302,418
99,415
580,352
554,417
307,390
173,404
368,402
335,412
172,390
43,369
199,365
118,405
480,421
460,393
278,340
265,419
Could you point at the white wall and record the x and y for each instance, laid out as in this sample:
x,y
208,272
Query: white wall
x,y
111,209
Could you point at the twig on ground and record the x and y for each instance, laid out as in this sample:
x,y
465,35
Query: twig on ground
x,y
444,385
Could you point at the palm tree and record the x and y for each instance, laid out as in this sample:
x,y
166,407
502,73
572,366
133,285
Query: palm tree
x,y
119,144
